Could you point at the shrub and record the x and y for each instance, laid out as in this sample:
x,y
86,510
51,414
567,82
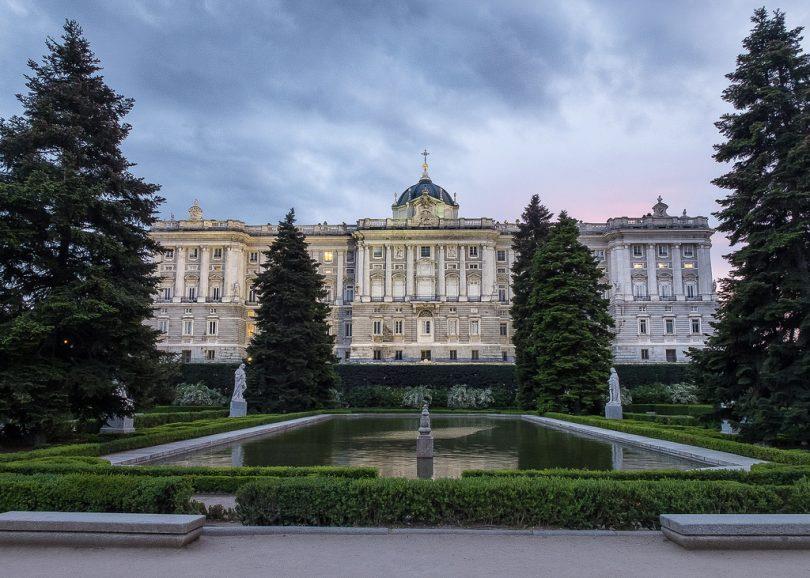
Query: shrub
x,y
695,410
148,420
665,419
461,396
180,408
515,502
633,375
197,394
417,396
651,393
683,393
373,396
92,493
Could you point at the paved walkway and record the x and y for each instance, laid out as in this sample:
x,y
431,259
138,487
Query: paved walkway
x,y
406,555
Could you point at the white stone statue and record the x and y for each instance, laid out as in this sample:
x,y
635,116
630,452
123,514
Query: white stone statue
x,y
615,390
239,384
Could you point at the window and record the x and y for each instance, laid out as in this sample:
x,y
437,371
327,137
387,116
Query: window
x,y
475,327
376,327
167,293
347,355
212,311
212,327
638,265
638,251
669,326
163,326
210,354
347,329
254,257
216,293
504,356
425,355
168,254
672,356
187,310
688,251
398,326
501,293
350,256
474,355
424,251
350,293
188,327
328,256
453,354
695,325
639,289
501,255
426,326
377,355
690,290
376,252
185,356
642,327
688,265
473,251
192,293
503,330
252,295
398,355
666,290
473,265
217,254
193,253
645,354
663,250
452,326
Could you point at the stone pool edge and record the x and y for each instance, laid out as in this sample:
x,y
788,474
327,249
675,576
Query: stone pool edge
x,y
715,458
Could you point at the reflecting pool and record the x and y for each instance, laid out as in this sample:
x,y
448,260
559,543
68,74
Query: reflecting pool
x,y
461,442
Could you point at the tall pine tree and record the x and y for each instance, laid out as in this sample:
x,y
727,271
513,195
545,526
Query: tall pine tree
x,y
758,358
291,358
571,329
531,233
76,278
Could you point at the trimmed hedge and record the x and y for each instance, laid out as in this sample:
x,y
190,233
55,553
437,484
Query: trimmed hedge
x,y
695,436
512,502
693,409
665,419
181,408
91,493
148,420
634,374
780,475
202,479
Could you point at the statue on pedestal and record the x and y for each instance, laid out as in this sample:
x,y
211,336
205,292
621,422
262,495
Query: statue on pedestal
x,y
238,403
613,409
121,424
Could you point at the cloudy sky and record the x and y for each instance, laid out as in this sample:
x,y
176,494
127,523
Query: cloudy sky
x,y
254,107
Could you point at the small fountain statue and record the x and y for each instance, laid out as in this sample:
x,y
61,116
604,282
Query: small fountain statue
x,y
238,403
613,409
424,443
120,424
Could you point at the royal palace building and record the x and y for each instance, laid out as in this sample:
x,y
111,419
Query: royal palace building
x,y
427,284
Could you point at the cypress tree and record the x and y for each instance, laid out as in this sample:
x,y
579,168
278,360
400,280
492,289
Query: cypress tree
x,y
291,358
758,357
76,279
571,329
531,233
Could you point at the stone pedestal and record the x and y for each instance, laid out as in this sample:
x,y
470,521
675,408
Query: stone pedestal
x,y
238,408
424,468
424,446
613,410
118,424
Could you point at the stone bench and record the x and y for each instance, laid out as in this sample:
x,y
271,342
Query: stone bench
x,y
99,529
737,531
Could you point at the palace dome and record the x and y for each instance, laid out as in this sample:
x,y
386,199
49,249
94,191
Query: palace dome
x,y
428,187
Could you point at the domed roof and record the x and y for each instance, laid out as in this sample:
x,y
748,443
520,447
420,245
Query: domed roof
x,y
425,186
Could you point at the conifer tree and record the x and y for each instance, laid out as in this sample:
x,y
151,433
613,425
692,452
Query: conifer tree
x,y
75,274
291,358
758,358
571,329
531,233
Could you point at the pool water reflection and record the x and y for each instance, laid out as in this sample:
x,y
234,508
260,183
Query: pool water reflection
x,y
388,443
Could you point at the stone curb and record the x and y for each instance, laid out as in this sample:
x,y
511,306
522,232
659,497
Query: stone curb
x,y
224,531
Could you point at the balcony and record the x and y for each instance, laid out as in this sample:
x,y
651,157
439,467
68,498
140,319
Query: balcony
x,y
641,297
475,299
452,299
425,298
377,299
667,298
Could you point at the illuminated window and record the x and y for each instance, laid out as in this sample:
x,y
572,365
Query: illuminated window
x,y
328,256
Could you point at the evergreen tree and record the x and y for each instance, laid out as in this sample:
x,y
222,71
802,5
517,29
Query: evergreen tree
x,y
758,358
76,279
571,329
291,358
531,233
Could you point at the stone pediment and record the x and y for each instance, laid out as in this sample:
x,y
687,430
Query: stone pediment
x,y
424,214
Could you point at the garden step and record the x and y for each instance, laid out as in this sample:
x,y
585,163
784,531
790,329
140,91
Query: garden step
x,y
737,531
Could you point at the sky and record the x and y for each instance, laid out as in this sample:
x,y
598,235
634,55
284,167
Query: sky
x,y
256,107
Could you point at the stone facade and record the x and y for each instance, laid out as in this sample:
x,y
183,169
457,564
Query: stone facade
x,y
427,284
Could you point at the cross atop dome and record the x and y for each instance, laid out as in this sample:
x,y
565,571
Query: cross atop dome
x,y
425,154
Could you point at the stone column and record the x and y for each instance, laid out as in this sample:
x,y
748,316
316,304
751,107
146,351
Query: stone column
x,y
230,274
704,271
613,269
339,288
205,265
241,274
462,272
388,296
409,289
487,264
677,273
652,273
180,275
366,274
623,257
509,257
358,271
440,271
